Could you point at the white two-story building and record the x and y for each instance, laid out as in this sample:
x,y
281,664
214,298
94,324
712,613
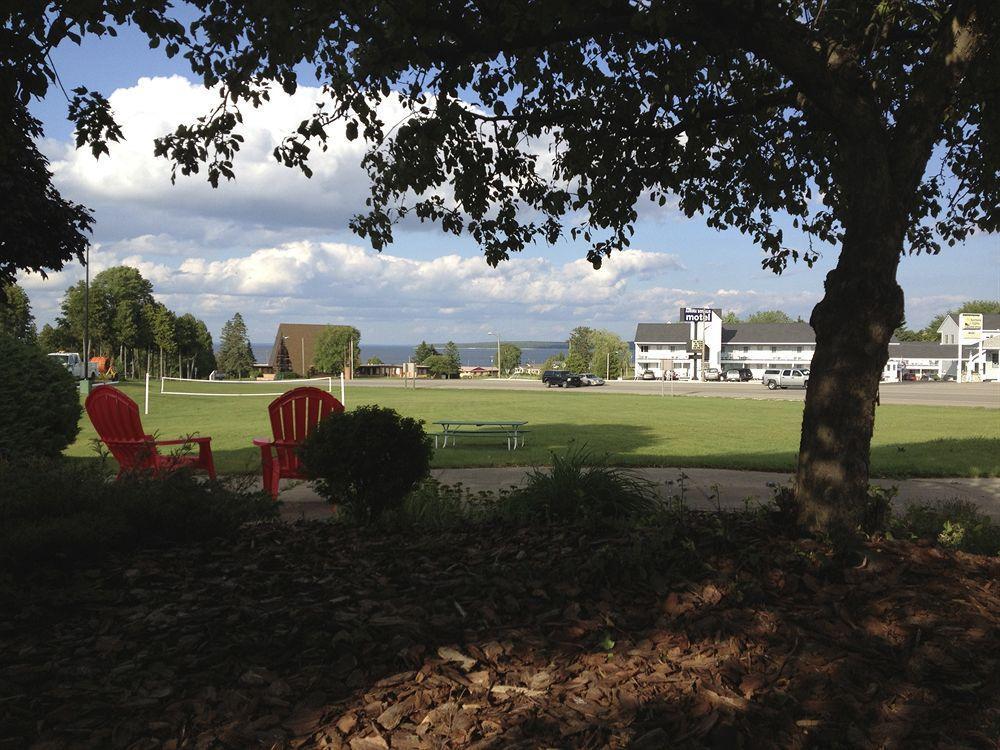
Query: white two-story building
x,y
664,347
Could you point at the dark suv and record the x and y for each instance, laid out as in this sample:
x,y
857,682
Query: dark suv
x,y
561,379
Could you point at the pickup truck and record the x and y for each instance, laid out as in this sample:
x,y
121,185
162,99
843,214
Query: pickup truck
x,y
74,363
775,379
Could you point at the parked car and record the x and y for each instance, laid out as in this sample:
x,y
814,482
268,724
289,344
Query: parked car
x,y
553,374
712,373
785,379
589,378
563,379
909,376
648,375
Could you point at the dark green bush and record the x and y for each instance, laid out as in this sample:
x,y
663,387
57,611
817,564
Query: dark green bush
x,y
433,505
39,402
367,460
287,376
958,524
581,486
66,513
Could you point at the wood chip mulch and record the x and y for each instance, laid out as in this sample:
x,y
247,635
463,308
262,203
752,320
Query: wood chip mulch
x,y
317,636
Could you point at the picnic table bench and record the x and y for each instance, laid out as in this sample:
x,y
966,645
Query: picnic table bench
x,y
511,429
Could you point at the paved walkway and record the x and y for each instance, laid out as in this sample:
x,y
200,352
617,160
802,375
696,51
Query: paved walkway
x,y
705,489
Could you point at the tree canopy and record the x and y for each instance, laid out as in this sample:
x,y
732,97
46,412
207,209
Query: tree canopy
x,y
510,357
422,351
600,351
333,349
930,331
16,319
123,313
769,316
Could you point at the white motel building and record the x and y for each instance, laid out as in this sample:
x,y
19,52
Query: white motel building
x,y
661,347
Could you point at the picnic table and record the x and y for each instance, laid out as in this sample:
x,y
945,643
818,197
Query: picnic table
x,y
509,428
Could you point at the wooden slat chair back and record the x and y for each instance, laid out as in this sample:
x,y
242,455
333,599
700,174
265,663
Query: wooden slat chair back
x,y
293,416
116,418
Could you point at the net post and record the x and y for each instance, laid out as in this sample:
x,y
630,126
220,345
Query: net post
x,y
163,383
343,398
147,393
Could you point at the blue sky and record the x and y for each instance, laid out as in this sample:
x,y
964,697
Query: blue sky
x,y
275,246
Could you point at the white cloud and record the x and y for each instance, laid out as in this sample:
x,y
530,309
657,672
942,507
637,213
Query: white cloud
x,y
131,190
328,282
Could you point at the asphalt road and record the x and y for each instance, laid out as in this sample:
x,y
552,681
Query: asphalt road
x,y
985,395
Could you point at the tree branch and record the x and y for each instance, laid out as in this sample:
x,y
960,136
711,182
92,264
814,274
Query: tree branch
x,y
961,36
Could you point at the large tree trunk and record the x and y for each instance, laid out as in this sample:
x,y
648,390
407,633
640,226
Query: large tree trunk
x,y
862,307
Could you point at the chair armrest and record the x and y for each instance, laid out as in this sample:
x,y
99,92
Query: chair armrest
x,y
184,441
263,442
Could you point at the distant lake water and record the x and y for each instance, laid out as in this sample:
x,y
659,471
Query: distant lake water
x,y
394,354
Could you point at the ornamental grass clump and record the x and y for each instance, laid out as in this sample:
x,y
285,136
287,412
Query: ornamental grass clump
x,y
580,486
367,460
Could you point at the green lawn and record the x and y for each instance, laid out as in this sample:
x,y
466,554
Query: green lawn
x,y
634,429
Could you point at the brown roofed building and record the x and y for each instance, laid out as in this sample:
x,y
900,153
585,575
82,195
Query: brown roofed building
x,y
300,344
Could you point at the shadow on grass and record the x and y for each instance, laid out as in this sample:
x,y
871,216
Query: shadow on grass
x,y
947,457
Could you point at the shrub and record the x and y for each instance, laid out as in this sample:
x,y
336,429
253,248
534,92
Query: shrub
x,y
433,505
287,376
64,513
367,459
39,402
580,486
958,524
877,510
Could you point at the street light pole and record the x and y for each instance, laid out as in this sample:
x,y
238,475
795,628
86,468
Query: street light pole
x,y
497,334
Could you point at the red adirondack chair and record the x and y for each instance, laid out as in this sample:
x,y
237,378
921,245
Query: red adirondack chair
x,y
116,419
293,416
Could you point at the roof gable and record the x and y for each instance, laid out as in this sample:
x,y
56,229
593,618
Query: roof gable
x,y
663,333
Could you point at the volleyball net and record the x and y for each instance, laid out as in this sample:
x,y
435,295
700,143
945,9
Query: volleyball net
x,y
238,388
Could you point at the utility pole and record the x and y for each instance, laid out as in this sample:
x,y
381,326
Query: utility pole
x,y
497,334
86,314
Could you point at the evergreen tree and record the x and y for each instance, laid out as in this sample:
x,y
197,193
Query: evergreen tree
x,y
730,318
15,314
454,358
422,352
235,356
